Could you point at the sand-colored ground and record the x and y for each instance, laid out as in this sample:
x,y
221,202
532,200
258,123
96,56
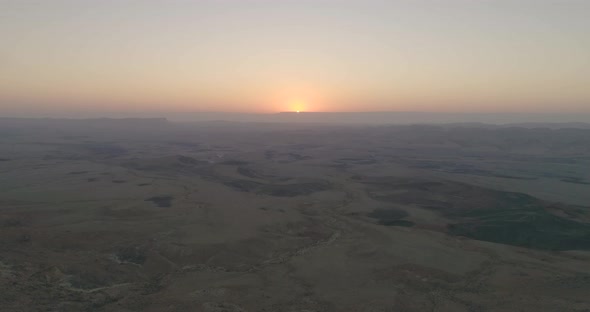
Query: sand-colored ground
x,y
239,217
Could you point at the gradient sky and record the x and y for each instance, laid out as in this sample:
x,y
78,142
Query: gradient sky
x,y
280,55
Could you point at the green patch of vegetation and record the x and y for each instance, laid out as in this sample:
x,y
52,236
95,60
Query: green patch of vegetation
x,y
247,172
532,228
78,172
85,280
243,185
12,222
278,190
152,285
187,160
575,180
134,255
105,149
234,162
292,190
161,201
388,214
404,223
357,161
390,217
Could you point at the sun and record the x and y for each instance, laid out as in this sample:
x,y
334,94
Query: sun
x,y
297,106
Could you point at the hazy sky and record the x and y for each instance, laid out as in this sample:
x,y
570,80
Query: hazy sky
x,y
278,55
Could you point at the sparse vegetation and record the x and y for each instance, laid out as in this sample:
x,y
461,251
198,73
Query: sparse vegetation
x,y
164,201
404,223
389,214
532,228
135,255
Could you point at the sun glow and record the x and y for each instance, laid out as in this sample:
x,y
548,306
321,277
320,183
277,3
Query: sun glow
x,y
297,106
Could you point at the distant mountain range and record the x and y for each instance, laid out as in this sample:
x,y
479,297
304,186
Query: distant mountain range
x,y
385,118
457,119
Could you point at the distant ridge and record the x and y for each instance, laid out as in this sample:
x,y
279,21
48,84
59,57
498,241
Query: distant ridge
x,y
102,120
553,121
576,120
117,119
94,123
555,125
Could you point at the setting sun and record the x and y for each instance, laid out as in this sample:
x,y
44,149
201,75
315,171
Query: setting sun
x,y
297,106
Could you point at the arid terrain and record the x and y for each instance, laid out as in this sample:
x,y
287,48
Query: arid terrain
x,y
150,215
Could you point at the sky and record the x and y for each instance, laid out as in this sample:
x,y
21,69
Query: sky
x,y
265,56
